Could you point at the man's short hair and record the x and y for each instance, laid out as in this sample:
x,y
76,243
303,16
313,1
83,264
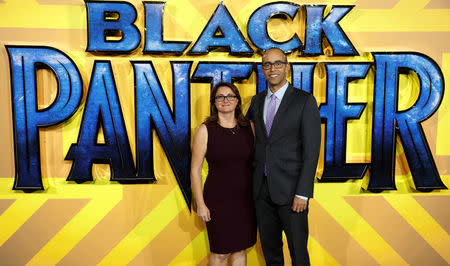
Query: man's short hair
x,y
275,48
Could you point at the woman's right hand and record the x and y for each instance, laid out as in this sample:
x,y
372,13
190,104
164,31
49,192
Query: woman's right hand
x,y
203,213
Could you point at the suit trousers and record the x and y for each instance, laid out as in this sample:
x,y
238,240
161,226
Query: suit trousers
x,y
272,220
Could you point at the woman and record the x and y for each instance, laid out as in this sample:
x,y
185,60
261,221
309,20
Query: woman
x,y
226,140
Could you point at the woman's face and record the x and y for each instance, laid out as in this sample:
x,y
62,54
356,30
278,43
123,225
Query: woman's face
x,y
225,100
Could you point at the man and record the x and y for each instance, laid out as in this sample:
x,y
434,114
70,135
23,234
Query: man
x,y
287,128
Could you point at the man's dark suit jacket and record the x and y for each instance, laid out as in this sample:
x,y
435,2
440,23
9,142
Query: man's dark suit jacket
x,y
291,150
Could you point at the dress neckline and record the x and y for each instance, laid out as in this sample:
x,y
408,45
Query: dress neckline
x,y
227,127
235,126
232,130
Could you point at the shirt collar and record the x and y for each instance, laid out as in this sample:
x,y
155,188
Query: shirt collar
x,y
279,93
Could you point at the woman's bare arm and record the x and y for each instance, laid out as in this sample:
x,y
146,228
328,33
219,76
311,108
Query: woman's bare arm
x,y
198,155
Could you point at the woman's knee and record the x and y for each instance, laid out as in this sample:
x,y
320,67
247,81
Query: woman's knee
x,y
221,257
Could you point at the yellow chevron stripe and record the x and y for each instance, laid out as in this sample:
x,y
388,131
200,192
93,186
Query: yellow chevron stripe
x,y
105,195
75,230
30,14
187,16
399,18
59,188
248,9
443,125
318,255
394,20
16,215
254,258
422,222
330,197
411,5
146,230
193,253
197,250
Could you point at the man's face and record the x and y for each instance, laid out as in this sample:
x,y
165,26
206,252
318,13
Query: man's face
x,y
275,73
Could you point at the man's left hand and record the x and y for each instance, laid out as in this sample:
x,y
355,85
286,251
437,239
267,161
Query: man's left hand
x,y
299,204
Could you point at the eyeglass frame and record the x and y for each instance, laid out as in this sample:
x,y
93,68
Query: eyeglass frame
x,y
229,98
268,65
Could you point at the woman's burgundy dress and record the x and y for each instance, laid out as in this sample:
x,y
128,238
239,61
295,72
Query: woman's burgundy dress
x,y
227,191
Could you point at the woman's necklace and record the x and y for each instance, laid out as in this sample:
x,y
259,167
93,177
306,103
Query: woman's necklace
x,y
232,130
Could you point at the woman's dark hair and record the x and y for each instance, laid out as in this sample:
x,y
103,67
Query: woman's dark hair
x,y
242,121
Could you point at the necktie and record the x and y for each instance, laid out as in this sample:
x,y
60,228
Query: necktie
x,y
270,112
269,118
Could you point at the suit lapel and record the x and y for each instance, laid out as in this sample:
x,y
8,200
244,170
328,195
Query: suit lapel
x,y
285,102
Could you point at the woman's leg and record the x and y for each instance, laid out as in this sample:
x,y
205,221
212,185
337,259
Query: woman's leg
x,y
218,259
239,258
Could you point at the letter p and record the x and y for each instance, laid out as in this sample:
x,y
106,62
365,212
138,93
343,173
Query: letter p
x,y
24,62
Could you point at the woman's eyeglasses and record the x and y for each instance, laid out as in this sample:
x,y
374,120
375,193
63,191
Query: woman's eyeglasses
x,y
230,98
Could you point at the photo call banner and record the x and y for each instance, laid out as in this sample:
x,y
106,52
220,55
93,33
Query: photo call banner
x,y
100,100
